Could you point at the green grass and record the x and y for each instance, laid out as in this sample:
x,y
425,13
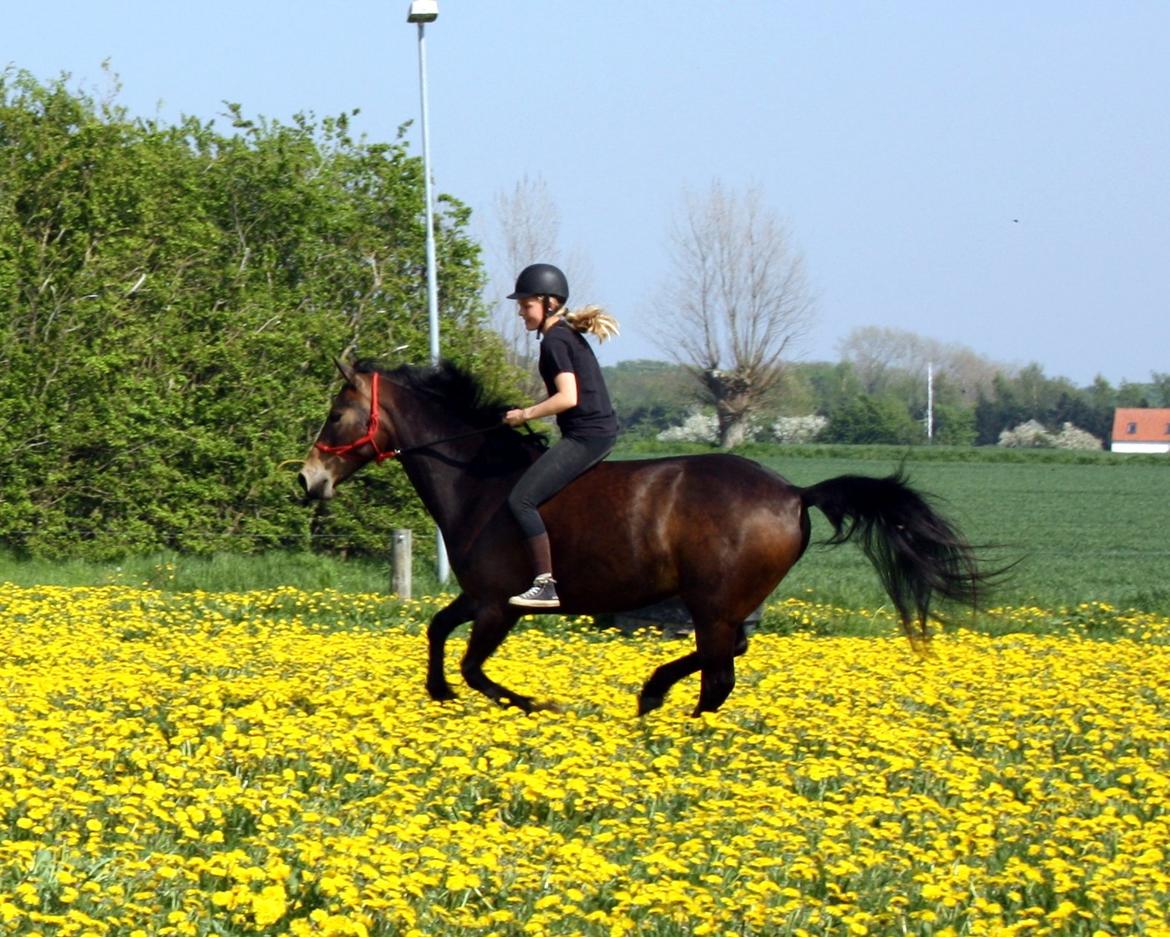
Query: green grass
x,y
219,573
1081,532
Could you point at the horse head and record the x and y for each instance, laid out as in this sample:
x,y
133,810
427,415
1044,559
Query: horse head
x,y
356,431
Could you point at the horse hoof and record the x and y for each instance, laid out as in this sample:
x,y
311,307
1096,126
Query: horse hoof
x,y
442,694
524,703
647,704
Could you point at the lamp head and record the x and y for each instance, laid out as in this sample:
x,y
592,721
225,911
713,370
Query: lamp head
x,y
423,11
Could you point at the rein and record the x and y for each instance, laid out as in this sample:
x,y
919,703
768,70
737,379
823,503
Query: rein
x,y
347,450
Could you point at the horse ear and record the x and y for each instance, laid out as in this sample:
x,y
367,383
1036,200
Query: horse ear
x,y
346,370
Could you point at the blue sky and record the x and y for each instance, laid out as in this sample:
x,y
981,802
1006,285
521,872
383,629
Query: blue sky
x,y
991,174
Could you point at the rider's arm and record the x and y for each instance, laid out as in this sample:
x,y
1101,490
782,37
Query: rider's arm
x,y
564,399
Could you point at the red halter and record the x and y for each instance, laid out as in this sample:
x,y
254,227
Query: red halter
x,y
347,451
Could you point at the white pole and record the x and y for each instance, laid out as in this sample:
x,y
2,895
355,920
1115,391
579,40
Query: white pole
x,y
428,195
929,401
442,569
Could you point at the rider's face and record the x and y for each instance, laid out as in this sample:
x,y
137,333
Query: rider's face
x,y
531,310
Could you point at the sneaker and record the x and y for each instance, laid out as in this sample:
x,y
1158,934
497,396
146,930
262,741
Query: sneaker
x,y
542,594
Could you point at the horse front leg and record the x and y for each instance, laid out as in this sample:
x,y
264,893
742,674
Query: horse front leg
x,y
445,621
488,631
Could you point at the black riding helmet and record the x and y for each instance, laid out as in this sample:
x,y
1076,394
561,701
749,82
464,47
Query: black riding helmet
x,y
541,280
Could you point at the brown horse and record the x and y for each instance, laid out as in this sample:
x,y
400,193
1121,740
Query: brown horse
x,y
717,531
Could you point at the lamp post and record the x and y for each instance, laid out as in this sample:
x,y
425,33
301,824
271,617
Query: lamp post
x,y
423,12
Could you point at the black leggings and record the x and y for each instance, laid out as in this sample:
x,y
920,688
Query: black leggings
x,y
550,473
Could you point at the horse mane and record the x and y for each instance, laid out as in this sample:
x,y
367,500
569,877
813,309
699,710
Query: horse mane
x,y
464,396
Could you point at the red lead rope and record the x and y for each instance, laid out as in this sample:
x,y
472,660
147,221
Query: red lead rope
x,y
347,451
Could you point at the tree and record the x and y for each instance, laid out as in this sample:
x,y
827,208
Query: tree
x,y
526,230
649,396
831,384
737,301
954,426
170,300
1077,409
527,227
867,419
1132,395
888,360
1160,388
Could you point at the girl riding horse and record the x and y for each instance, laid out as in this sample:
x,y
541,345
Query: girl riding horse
x,y
577,397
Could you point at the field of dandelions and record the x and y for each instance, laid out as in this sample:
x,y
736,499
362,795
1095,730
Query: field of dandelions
x,y
268,763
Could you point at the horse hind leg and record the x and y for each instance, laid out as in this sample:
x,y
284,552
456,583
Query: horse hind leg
x,y
655,689
718,644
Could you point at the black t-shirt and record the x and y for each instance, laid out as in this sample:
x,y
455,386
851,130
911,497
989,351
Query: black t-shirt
x,y
565,349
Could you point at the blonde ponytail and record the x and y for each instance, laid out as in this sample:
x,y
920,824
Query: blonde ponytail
x,y
592,319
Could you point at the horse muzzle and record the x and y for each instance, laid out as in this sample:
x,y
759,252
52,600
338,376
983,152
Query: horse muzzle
x,y
316,483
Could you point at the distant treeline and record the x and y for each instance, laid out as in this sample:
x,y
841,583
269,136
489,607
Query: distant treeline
x,y
857,407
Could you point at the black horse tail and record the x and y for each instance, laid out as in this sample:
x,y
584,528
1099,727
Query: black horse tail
x,y
918,553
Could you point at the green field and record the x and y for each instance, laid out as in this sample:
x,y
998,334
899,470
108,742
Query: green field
x,y
1084,528
1081,532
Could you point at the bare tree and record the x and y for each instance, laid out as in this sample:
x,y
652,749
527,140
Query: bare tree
x,y
883,357
737,302
528,225
527,230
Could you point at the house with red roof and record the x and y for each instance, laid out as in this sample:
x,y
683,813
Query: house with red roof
x,y
1141,429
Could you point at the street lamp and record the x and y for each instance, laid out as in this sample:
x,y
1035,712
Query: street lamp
x,y
423,12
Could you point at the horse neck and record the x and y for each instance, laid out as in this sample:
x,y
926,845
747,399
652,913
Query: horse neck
x,y
448,478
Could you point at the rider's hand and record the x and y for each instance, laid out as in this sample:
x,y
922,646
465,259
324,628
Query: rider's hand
x,y
516,417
